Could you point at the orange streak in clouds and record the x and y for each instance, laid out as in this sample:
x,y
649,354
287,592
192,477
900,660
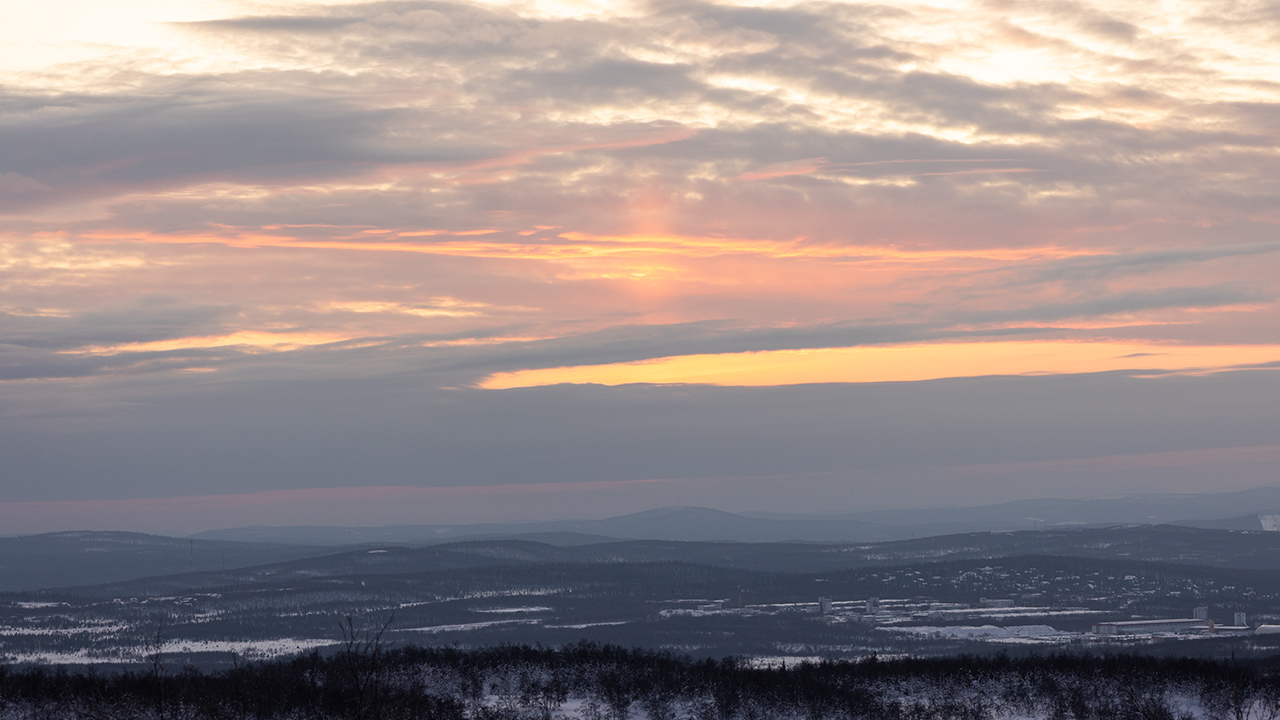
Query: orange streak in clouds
x,y
980,171
808,166
266,341
576,245
897,363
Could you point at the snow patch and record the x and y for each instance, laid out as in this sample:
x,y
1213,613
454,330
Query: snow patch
x,y
978,632
462,627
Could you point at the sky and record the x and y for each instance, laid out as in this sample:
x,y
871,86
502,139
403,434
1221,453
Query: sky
x,y
445,262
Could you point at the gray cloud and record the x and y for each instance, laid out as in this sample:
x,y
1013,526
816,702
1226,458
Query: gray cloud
x,y
1120,303
200,131
213,437
499,84
147,319
1094,268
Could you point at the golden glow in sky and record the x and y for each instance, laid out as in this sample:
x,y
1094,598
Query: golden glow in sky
x,y
898,363
962,169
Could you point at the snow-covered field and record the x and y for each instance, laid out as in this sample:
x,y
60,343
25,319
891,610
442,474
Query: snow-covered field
x,y
986,632
245,650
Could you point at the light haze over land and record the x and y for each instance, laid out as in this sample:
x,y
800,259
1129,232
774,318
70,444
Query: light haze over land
x,y
460,262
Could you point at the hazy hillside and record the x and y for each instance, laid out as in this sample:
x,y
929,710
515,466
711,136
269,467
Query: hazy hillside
x,y
959,594
1221,510
84,558
1163,544
1156,543
80,559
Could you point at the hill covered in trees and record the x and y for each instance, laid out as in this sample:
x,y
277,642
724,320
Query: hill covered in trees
x,y
593,682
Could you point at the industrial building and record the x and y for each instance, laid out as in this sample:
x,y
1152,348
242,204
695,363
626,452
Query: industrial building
x,y
1143,627
1199,623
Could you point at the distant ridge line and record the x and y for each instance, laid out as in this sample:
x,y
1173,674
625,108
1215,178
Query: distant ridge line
x,y
1241,510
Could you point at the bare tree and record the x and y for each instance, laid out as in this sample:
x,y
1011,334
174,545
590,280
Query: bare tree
x,y
153,653
361,660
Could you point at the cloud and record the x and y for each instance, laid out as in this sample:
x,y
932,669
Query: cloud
x,y
197,132
147,319
429,192
1102,267
117,440
1119,304
449,86
16,189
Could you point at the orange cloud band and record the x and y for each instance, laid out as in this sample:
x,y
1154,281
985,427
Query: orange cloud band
x,y
575,245
899,363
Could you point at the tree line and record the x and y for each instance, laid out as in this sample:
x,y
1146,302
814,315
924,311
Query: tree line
x,y
366,680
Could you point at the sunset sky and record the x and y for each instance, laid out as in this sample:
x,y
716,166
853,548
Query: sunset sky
x,y
420,262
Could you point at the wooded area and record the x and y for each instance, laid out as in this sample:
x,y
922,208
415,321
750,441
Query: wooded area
x,y
366,680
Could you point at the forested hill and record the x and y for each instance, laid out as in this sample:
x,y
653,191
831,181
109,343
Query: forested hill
x,y
83,559
592,682
1168,544
61,559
